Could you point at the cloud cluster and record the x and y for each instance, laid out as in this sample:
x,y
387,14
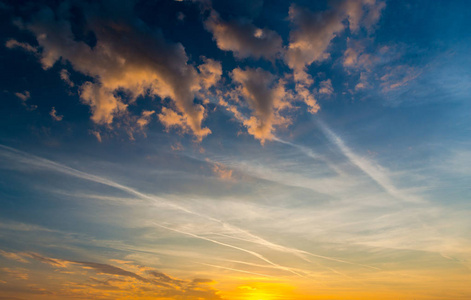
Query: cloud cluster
x,y
126,280
24,97
128,60
378,66
315,30
125,59
313,33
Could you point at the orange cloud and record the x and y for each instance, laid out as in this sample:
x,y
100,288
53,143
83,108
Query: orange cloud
x,y
23,96
314,31
266,97
54,115
222,171
398,76
92,280
126,59
13,256
25,46
145,118
243,38
210,73
326,87
65,75
16,273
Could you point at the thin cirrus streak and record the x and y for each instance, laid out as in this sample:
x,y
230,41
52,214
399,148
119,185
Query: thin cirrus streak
x,y
309,273
253,253
310,153
374,171
51,165
299,253
237,270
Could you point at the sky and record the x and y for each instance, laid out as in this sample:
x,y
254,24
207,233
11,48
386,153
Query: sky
x,y
251,149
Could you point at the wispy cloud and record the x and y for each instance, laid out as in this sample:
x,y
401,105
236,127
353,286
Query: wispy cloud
x,y
374,171
237,270
233,247
233,230
54,115
115,281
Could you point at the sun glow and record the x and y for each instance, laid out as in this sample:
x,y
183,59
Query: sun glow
x,y
263,291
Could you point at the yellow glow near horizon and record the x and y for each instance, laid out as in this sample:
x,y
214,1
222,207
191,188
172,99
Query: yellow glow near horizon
x,y
263,291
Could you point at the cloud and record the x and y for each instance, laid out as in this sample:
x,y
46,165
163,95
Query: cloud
x,y
12,43
148,282
13,256
243,38
308,43
303,82
170,118
65,75
126,62
97,135
398,76
222,171
373,15
266,97
210,73
225,229
379,67
42,163
326,87
47,260
374,171
145,118
109,269
16,273
23,96
238,270
105,106
314,31
253,253
312,34
54,115
354,56
164,278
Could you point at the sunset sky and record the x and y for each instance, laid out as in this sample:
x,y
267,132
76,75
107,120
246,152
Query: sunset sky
x,y
251,149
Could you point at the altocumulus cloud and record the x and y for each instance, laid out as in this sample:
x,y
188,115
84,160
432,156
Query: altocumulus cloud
x,y
129,57
123,59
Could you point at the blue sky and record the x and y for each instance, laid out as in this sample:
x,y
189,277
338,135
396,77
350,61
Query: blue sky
x,y
235,150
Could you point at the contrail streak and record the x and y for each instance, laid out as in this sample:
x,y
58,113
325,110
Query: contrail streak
x,y
51,165
237,270
374,171
234,247
298,252
309,153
